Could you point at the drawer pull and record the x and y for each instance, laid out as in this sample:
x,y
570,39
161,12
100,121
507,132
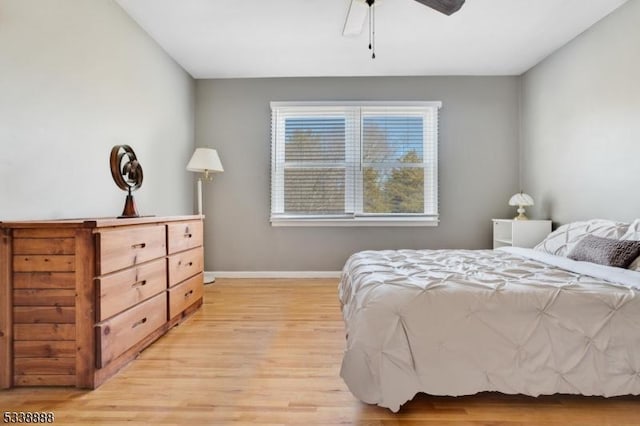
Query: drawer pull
x,y
139,246
137,323
189,293
188,235
139,283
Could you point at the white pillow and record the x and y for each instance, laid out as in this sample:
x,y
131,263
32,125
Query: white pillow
x,y
561,241
633,233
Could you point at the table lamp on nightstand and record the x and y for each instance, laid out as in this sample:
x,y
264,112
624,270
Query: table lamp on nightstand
x,y
521,200
205,161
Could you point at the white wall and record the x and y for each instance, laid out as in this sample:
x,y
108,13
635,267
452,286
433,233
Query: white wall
x,y
478,169
581,124
76,78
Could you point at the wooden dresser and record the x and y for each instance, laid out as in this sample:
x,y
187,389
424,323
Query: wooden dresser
x,y
79,299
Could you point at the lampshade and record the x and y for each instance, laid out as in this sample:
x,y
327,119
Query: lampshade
x,y
521,199
205,160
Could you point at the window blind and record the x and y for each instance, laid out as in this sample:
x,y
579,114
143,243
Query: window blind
x,y
399,161
349,161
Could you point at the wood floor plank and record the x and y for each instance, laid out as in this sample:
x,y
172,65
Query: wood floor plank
x,y
268,352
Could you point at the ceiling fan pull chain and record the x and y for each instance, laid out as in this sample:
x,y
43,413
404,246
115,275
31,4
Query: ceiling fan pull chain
x,y
372,28
370,25
373,33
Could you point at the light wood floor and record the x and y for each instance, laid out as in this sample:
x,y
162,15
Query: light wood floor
x,y
269,352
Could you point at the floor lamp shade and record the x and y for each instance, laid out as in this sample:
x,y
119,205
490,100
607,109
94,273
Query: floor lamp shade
x,y
205,160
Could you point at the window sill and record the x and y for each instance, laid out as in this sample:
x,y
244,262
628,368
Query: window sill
x,y
357,222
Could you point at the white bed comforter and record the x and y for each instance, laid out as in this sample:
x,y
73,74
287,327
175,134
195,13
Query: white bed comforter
x,y
457,322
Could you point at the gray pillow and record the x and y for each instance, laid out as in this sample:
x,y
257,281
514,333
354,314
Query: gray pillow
x,y
606,251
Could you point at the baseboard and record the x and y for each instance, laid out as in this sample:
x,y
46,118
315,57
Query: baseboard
x,y
275,274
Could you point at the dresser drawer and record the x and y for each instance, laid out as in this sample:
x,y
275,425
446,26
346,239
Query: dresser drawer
x,y
185,294
121,290
121,248
184,265
116,335
184,235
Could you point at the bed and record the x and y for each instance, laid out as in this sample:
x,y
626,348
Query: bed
x,y
512,320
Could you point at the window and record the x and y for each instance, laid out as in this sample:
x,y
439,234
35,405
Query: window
x,y
354,163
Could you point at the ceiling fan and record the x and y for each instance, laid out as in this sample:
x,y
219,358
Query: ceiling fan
x,y
359,9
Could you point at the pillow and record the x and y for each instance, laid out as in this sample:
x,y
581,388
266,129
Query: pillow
x,y
635,265
561,241
606,251
633,233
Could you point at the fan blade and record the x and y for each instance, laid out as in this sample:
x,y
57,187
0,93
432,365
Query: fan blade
x,y
448,7
355,18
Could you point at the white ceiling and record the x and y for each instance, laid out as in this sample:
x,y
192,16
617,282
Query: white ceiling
x,y
289,38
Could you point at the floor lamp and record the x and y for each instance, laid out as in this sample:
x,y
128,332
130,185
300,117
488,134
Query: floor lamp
x,y
206,162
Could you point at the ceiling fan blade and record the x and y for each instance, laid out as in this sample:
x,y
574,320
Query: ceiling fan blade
x,y
355,18
448,7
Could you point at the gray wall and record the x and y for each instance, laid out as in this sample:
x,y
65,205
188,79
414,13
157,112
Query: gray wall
x,y
76,78
478,168
581,124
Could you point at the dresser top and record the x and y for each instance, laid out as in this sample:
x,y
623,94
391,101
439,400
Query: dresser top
x,y
100,222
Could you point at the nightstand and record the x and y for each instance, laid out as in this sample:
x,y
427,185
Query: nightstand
x,y
519,233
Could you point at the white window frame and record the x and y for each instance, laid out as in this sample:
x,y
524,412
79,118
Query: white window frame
x,y
353,178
